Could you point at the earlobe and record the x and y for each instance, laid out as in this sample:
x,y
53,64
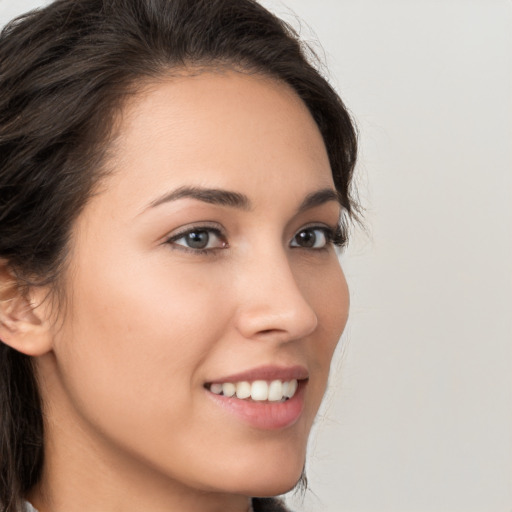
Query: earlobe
x,y
23,325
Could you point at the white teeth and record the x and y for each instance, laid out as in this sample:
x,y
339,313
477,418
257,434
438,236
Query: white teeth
x,y
228,389
216,388
243,390
292,387
275,391
259,390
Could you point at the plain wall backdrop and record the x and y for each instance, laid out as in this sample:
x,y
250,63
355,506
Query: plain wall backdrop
x,y
419,413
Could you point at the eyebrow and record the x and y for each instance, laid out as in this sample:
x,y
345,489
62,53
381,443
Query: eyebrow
x,y
241,201
207,195
318,198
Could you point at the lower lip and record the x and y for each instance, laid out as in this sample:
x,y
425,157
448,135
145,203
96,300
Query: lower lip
x,y
265,415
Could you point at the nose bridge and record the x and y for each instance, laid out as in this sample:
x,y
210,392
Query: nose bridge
x,y
272,302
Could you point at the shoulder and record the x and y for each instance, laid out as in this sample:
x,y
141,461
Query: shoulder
x,y
268,505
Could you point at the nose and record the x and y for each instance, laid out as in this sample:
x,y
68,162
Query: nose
x,y
271,302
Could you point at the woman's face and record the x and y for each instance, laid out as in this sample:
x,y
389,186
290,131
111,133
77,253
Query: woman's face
x,y
203,262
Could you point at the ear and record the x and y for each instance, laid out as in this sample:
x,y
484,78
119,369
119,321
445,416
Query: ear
x,y
24,320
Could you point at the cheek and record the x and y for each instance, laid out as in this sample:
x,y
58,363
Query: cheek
x,y
150,307
328,294
134,339
337,305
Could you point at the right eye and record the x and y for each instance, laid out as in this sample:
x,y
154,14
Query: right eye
x,y
199,239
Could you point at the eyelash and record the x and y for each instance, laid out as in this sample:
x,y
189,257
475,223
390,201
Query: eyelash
x,y
333,236
196,229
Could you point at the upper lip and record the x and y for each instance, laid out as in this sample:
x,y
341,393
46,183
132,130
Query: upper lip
x,y
268,372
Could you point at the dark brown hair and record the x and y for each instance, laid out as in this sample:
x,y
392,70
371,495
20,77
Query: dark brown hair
x,y
64,72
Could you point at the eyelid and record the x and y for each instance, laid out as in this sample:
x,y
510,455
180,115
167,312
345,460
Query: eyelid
x,y
209,227
335,234
199,226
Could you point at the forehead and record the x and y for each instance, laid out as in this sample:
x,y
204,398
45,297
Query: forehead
x,y
219,129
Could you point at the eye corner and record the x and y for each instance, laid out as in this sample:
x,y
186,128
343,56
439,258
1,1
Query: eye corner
x,y
339,237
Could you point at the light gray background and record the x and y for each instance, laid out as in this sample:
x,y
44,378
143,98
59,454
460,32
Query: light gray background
x,y
419,414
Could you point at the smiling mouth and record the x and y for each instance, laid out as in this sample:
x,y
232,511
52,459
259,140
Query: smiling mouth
x,y
257,390
260,399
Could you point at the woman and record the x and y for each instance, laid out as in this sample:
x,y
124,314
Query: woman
x,y
174,178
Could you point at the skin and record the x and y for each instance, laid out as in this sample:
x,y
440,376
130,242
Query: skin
x,y
130,425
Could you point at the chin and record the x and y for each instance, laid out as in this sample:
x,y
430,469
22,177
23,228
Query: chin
x,y
261,481
270,468
269,489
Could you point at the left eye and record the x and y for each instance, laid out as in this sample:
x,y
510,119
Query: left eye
x,y
200,239
311,238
